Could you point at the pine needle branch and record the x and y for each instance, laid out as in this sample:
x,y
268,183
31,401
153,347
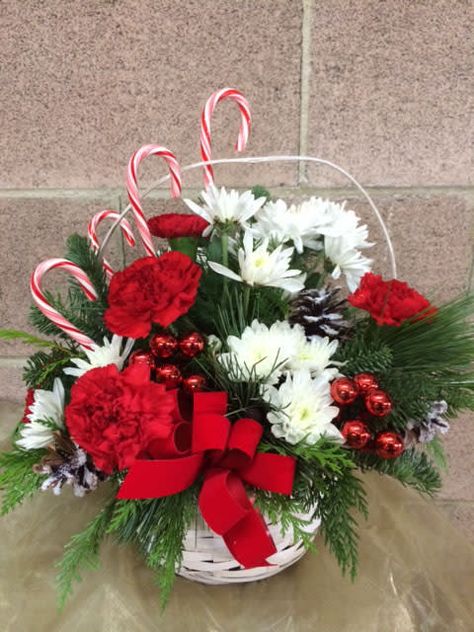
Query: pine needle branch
x,y
17,479
413,469
158,527
82,553
338,525
41,368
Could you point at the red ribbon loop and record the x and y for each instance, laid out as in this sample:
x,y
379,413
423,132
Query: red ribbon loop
x,y
226,455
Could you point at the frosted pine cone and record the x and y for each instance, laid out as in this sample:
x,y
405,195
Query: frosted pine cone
x,y
66,463
319,312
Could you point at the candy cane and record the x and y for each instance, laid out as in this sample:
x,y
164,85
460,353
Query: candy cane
x,y
43,305
214,99
132,187
94,240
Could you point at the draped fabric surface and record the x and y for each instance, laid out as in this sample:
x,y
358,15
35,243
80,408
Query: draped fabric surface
x,y
416,574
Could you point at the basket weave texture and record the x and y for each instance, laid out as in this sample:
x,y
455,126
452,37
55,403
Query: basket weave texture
x,y
206,558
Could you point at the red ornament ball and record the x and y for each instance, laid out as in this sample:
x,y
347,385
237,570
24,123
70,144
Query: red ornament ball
x,y
163,345
365,382
344,391
356,434
389,445
141,357
378,403
194,383
169,375
192,344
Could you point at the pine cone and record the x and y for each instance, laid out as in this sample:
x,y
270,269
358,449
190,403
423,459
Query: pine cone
x,y
66,463
319,312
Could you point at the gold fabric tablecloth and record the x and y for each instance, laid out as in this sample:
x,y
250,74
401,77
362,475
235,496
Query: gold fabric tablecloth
x,y
416,574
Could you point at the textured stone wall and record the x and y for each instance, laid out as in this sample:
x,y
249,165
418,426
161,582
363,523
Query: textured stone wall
x,y
383,88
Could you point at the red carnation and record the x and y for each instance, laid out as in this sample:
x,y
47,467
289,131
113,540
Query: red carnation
x,y
151,290
390,302
173,225
29,401
113,416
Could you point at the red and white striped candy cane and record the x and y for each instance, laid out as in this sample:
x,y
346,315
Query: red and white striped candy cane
x,y
214,99
94,240
43,305
132,187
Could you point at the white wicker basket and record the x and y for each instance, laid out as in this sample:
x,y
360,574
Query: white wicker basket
x,y
206,558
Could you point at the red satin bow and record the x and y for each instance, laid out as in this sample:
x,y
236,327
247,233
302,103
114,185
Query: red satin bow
x,y
226,455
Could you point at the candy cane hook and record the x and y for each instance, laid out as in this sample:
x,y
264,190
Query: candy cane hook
x,y
53,315
94,240
133,193
244,131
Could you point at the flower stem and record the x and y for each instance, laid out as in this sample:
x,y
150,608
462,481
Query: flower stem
x,y
225,257
225,249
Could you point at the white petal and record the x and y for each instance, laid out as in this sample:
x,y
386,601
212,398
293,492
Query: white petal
x,y
198,210
220,269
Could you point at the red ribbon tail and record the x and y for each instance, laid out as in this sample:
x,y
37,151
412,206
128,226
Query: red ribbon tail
x,y
225,507
250,542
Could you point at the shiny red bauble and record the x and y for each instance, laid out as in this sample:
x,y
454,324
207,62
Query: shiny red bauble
x,y
365,382
169,375
389,445
344,391
356,434
163,345
192,344
194,383
141,357
378,403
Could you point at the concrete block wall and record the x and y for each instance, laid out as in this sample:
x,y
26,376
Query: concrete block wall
x,y
384,88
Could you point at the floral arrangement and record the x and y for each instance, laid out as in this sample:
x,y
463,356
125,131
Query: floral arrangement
x,y
247,369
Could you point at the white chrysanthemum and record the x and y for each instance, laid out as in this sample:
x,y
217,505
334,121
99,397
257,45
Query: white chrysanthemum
x,y
264,267
346,260
302,409
35,435
313,355
333,220
221,206
281,223
109,353
264,352
48,406
260,352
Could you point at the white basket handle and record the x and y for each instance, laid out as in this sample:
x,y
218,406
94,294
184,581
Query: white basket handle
x,y
263,159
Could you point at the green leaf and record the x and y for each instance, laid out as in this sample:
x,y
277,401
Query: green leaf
x,y
25,337
260,191
186,245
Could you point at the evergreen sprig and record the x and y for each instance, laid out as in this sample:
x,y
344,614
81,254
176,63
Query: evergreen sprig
x,y
339,497
17,479
158,527
80,253
326,485
42,368
82,553
413,468
289,514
